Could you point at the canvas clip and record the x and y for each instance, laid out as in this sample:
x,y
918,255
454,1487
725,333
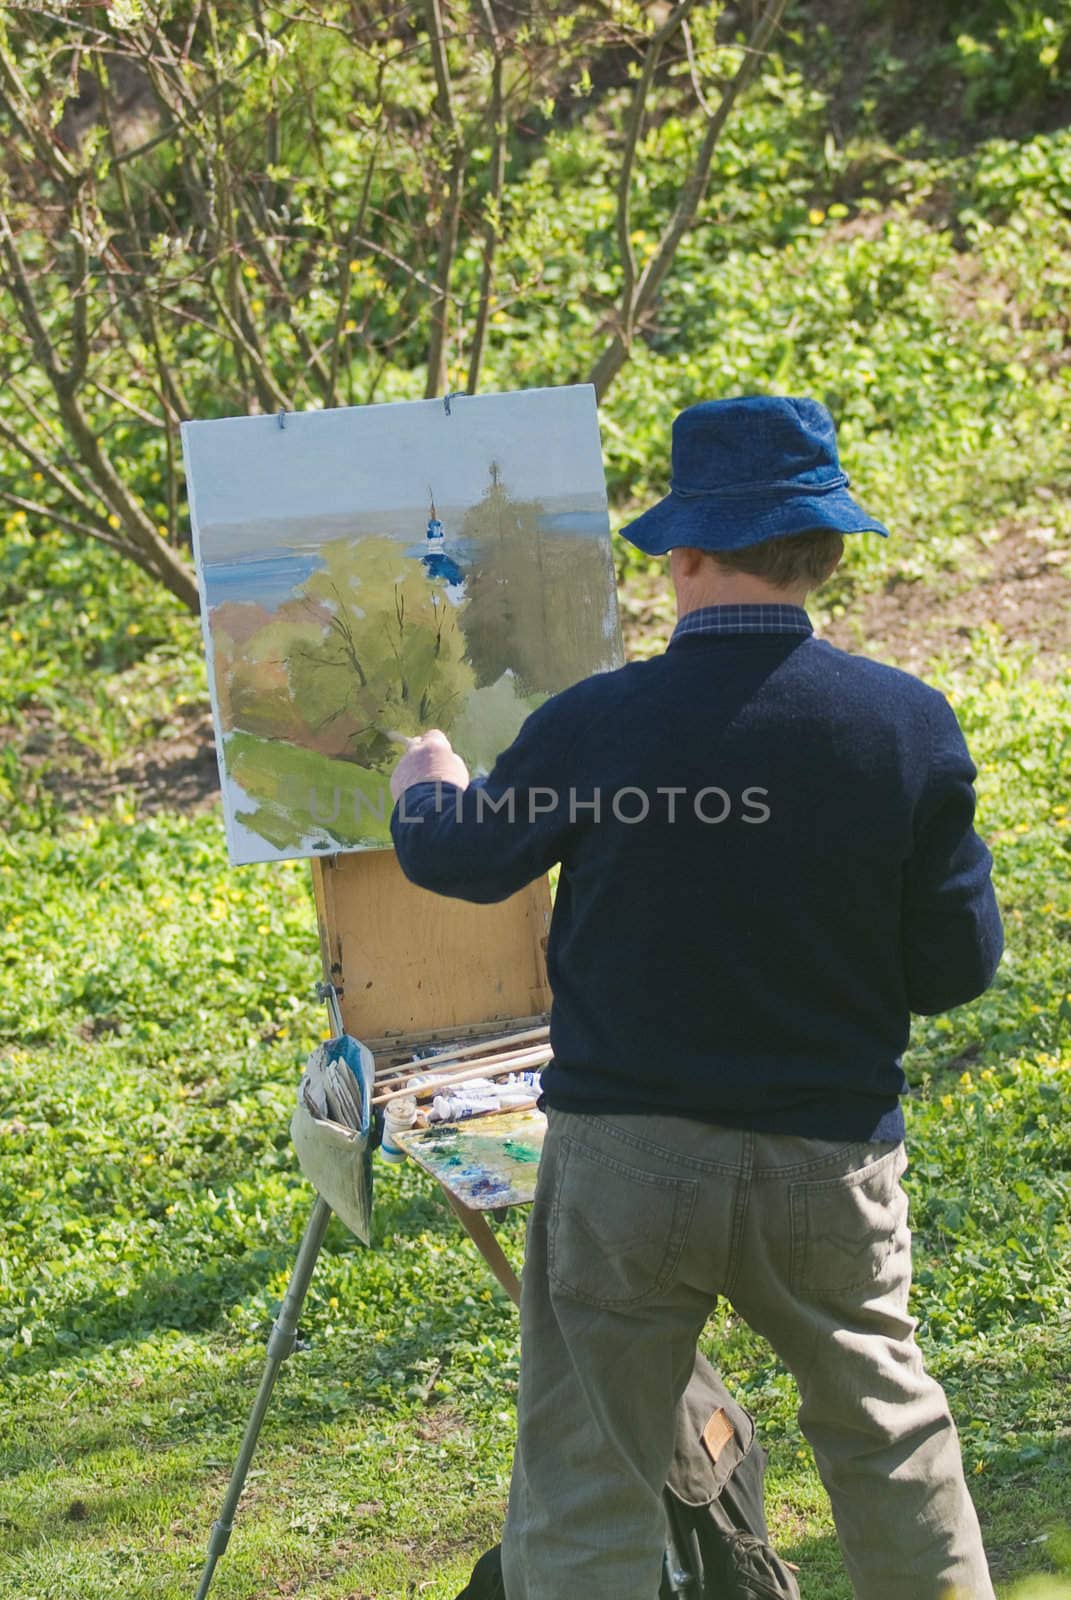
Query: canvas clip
x,y
281,418
453,394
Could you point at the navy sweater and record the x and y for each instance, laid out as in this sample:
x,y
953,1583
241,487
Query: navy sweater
x,y
747,952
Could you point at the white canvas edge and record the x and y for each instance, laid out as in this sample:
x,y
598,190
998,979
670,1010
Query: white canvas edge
x,y
455,398
206,635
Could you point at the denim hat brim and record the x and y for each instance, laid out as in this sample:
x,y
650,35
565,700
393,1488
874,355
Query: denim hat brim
x,y
716,522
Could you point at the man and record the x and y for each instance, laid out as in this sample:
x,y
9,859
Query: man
x,y
768,861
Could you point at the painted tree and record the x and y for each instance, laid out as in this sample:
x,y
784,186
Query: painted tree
x,y
537,600
388,654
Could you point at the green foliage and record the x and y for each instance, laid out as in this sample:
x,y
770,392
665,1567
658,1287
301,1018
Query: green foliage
x,y
157,1006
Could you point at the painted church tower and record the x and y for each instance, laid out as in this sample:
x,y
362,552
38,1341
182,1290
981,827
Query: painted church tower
x,y
436,537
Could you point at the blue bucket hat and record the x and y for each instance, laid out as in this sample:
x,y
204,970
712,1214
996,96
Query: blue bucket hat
x,y
747,470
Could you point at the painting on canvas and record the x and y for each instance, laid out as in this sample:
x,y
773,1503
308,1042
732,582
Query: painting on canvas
x,y
371,572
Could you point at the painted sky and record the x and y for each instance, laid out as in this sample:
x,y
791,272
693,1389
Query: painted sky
x,y
328,463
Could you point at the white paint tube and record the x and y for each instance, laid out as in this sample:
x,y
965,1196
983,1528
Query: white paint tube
x,y
483,1095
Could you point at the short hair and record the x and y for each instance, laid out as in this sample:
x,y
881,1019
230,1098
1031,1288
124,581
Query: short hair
x,y
797,558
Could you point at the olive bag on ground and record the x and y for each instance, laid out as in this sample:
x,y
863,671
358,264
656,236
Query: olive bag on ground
x,y
717,1540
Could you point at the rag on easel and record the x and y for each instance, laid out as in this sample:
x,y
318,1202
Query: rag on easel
x,y
331,1129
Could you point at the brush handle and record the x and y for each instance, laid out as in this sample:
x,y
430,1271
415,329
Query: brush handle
x,y
526,1062
485,1066
507,1042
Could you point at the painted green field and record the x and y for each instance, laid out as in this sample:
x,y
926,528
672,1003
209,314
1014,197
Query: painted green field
x,y
299,795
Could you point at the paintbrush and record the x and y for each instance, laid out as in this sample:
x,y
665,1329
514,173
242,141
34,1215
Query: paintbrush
x,y
433,1070
529,1061
505,1041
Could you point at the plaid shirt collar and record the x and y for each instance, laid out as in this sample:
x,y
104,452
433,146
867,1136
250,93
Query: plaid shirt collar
x,y
744,619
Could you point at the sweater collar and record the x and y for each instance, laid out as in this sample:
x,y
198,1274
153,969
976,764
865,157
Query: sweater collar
x,y
744,619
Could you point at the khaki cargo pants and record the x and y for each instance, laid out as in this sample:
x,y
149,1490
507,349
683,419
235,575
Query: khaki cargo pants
x,y
639,1225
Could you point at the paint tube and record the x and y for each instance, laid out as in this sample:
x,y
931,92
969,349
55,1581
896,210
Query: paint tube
x,y
399,1115
467,1101
483,1095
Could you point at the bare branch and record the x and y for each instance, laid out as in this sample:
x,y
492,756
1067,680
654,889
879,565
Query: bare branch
x,y
450,219
20,108
90,530
494,200
633,130
179,121
693,70
657,268
48,470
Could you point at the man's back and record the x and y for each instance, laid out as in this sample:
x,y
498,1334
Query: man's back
x,y
767,861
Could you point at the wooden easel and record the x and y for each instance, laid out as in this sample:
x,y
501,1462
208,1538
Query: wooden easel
x,y
412,968
407,968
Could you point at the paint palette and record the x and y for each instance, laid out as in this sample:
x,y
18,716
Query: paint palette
x,y
484,1162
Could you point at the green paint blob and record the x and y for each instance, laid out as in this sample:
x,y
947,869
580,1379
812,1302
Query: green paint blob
x,y
521,1152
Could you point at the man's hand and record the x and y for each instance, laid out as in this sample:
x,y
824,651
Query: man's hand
x,y
428,759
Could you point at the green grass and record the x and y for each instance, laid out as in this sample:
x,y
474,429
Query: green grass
x,y
156,1006
156,1010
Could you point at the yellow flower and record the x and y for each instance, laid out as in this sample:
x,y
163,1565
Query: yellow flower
x,y
966,1080
946,1101
38,477
356,266
256,307
350,326
113,521
815,216
249,270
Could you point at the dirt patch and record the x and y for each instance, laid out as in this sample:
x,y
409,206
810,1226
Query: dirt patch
x,y
174,771
1021,584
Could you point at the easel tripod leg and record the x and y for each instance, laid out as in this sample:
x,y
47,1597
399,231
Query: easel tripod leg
x,y
280,1343
479,1231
